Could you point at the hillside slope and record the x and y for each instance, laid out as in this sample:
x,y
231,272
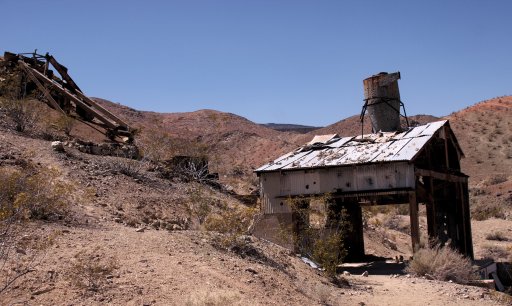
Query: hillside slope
x,y
131,237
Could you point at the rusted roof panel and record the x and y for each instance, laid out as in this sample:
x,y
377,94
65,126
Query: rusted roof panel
x,y
371,148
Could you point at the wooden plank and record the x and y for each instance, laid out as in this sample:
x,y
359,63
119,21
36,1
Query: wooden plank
x,y
441,176
102,110
41,87
75,99
415,228
63,71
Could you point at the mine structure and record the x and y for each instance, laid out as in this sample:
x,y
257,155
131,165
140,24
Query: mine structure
x,y
419,165
62,94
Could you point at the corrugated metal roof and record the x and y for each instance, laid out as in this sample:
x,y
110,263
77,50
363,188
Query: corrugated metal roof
x,y
371,148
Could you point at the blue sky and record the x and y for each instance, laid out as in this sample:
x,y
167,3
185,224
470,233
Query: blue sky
x,y
271,61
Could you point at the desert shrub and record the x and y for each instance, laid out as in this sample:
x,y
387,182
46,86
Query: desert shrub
x,y
33,194
321,240
496,235
155,145
442,263
23,113
64,124
24,195
233,223
496,179
329,251
92,271
483,210
200,204
495,252
214,298
128,167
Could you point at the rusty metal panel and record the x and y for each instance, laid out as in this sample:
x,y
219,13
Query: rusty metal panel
x,y
283,161
372,148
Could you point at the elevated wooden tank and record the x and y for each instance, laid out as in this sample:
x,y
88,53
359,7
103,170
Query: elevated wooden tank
x,y
383,101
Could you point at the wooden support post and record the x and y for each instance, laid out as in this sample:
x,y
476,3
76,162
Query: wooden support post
x,y
45,92
415,228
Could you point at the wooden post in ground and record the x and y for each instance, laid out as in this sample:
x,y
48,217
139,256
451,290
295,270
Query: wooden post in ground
x,y
415,228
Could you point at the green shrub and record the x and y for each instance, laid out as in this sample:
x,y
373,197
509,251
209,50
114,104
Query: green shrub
x,y
329,251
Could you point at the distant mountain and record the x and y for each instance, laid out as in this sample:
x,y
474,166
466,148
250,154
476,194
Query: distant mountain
x,y
297,128
483,131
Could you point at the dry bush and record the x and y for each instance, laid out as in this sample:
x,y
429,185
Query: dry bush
x,y
495,179
214,298
483,209
92,271
155,145
496,252
128,167
23,113
442,263
64,124
233,223
201,204
26,195
33,194
496,235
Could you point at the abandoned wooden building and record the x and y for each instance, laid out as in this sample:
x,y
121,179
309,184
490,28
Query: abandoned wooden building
x,y
419,165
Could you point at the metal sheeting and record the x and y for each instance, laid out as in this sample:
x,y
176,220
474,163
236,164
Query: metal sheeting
x,y
378,147
276,187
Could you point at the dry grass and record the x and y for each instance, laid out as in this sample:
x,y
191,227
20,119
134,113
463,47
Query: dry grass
x,y
92,271
496,235
214,298
442,263
496,252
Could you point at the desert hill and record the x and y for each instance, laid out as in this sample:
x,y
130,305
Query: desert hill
x,y
131,237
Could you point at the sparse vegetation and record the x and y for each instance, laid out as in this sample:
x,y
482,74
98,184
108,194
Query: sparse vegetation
x,y
233,224
214,298
483,209
496,235
128,167
23,113
27,194
92,271
442,263
321,232
496,252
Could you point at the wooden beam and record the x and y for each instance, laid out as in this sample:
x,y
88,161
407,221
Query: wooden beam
x,y
441,176
70,95
103,110
447,158
415,228
45,92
